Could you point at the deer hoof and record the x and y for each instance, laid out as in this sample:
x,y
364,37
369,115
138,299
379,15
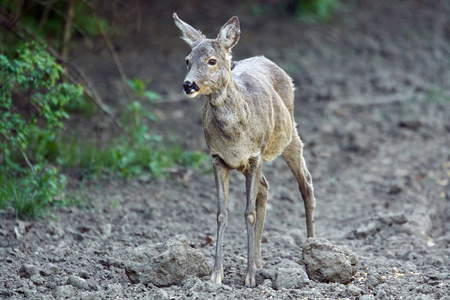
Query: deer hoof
x,y
217,276
250,279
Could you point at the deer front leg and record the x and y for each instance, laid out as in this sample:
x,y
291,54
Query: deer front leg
x,y
222,176
253,177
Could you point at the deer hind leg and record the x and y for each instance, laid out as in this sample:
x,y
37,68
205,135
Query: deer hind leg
x,y
222,175
293,154
261,200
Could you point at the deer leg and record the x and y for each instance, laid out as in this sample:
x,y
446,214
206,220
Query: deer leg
x,y
293,154
261,200
222,175
253,177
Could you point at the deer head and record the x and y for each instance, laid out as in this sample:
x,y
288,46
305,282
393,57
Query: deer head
x,y
209,63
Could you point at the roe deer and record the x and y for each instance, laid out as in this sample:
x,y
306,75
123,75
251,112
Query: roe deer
x,y
248,117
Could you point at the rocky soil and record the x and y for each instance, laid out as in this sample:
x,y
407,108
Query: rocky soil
x,y
373,108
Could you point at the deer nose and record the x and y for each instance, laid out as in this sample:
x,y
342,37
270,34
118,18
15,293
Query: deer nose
x,y
190,87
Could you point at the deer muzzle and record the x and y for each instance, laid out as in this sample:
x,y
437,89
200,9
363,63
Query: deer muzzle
x,y
190,88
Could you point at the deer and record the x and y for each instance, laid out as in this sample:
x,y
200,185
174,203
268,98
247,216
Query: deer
x,y
248,118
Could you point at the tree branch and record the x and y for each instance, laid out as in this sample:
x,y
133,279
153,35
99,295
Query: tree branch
x,y
67,29
24,155
113,53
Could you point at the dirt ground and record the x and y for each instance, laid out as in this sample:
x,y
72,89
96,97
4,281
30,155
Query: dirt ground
x,y
373,109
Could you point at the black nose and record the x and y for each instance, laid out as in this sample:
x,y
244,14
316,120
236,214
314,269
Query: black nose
x,y
190,87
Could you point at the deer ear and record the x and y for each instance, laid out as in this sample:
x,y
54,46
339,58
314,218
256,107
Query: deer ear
x,y
190,35
229,34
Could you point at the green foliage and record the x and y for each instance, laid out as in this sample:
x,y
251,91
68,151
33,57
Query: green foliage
x,y
46,19
311,11
81,105
32,196
135,111
32,101
124,159
140,90
31,80
316,10
137,152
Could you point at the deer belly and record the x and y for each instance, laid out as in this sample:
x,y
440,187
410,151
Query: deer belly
x,y
281,135
276,146
235,155
235,160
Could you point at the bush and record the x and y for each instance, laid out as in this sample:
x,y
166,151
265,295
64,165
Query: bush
x,y
137,152
32,101
32,195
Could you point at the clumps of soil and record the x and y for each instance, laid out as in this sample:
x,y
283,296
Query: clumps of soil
x,y
326,262
175,261
287,274
166,264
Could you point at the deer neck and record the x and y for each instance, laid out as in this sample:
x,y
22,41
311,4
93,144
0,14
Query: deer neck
x,y
228,102
226,111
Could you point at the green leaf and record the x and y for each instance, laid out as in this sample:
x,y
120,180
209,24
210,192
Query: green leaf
x,y
152,95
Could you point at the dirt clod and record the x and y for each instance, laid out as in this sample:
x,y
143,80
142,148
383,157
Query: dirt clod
x,y
65,292
77,282
28,270
373,280
166,264
326,262
290,278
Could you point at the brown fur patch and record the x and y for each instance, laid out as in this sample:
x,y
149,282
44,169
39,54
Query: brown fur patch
x,y
202,90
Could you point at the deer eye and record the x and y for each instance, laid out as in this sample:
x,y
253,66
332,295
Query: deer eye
x,y
212,61
187,62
